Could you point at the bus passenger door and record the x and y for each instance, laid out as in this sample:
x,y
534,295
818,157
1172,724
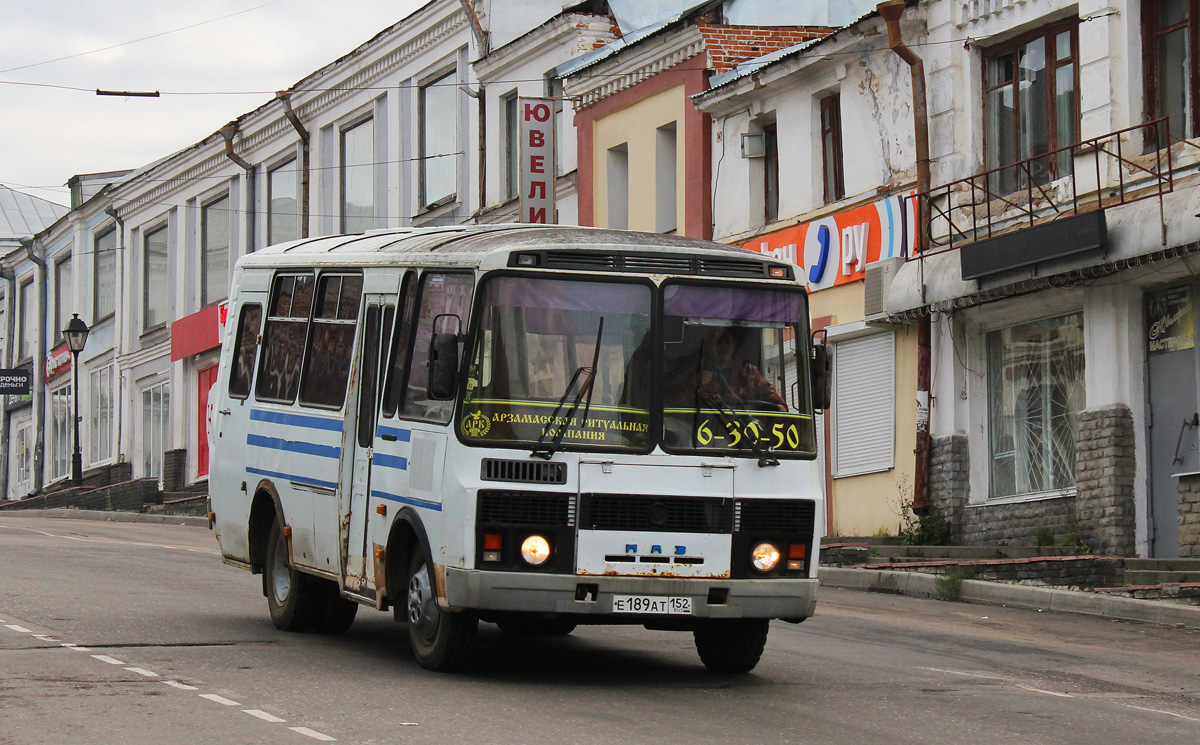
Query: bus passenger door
x,y
356,570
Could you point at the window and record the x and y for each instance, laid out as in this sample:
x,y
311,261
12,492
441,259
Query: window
x,y
618,187
4,361
63,296
554,90
23,467
27,334
283,204
247,345
864,409
665,173
770,173
358,177
214,248
831,149
1169,28
512,147
439,141
393,392
104,283
284,337
331,344
156,290
100,398
442,296
156,427
1031,106
1035,387
60,432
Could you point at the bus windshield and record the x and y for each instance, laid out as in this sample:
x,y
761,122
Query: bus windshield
x,y
733,361
561,362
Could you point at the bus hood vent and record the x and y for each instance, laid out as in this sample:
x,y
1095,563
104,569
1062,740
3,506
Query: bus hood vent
x,y
523,471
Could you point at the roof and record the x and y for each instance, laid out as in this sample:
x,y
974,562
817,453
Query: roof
x,y
22,216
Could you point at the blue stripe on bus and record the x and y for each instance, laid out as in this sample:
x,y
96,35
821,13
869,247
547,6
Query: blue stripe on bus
x,y
402,435
391,461
407,500
298,420
307,448
293,477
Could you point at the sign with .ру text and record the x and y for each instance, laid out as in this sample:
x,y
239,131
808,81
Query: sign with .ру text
x,y
17,382
537,159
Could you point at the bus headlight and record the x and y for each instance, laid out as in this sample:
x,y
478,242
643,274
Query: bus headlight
x,y
535,550
764,557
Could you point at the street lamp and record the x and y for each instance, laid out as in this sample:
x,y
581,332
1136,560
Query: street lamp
x,y
76,334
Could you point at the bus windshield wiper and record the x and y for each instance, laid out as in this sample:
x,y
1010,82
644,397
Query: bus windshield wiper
x,y
584,389
727,416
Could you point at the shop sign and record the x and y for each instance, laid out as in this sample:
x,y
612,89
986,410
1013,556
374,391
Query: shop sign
x,y
835,250
537,159
1169,320
58,362
16,382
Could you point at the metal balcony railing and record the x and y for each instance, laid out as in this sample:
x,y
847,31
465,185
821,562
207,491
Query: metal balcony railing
x,y
1098,173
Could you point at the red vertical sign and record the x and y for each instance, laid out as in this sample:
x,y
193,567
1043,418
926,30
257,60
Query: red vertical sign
x,y
537,159
204,379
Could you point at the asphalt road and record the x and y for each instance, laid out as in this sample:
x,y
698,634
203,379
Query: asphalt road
x,y
172,647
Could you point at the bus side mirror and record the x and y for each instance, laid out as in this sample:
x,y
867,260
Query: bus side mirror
x,y
443,366
822,377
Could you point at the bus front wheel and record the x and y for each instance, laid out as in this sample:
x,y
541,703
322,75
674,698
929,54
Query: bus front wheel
x,y
731,645
292,596
440,640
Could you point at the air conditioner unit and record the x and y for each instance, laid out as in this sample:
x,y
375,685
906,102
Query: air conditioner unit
x,y
878,282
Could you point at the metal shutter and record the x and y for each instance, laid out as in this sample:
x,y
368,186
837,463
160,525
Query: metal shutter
x,y
864,407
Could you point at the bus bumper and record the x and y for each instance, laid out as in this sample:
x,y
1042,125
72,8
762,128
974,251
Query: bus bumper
x,y
590,595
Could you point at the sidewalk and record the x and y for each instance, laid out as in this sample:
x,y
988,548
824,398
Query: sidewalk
x,y
114,517
915,584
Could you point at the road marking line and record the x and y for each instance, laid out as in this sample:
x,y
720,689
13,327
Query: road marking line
x,y
180,686
75,647
142,671
45,638
81,539
21,629
1041,690
1156,711
263,715
313,734
106,658
219,699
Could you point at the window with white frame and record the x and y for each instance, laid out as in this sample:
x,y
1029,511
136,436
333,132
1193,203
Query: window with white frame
x,y
3,331
59,435
156,289
439,140
104,282
214,250
156,427
100,399
27,332
63,295
283,203
512,146
617,176
864,404
358,177
1035,387
666,144
23,458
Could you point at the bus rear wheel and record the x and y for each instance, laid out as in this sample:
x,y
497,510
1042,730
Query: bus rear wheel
x,y
441,640
731,645
293,598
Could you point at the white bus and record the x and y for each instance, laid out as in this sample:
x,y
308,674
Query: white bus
x,y
532,426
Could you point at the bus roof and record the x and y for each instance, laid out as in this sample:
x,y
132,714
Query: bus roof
x,y
489,247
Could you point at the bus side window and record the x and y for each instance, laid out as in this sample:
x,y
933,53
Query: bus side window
x,y
242,366
398,358
331,343
441,295
284,337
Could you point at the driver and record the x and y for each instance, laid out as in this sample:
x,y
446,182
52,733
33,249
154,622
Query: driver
x,y
734,384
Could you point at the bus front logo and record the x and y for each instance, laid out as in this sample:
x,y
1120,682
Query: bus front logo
x,y
476,424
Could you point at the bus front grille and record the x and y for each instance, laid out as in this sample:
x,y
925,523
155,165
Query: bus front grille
x,y
776,515
523,471
497,507
667,514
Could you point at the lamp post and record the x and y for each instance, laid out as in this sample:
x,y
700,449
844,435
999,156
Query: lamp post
x,y
76,334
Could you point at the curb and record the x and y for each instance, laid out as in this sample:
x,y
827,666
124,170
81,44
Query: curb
x,y
918,585
114,517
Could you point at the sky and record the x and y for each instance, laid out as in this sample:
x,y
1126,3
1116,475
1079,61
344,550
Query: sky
x,y
231,60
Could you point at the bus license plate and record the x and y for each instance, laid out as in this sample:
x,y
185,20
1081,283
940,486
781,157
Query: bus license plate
x,y
658,604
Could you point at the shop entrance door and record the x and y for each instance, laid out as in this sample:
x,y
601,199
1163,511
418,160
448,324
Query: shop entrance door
x,y
205,379
1172,423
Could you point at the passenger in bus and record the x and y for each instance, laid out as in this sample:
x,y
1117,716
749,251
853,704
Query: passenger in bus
x,y
739,385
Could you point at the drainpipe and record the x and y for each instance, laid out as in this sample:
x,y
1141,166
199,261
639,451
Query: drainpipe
x,y
111,211
228,131
39,368
297,125
481,36
479,95
891,12
10,312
